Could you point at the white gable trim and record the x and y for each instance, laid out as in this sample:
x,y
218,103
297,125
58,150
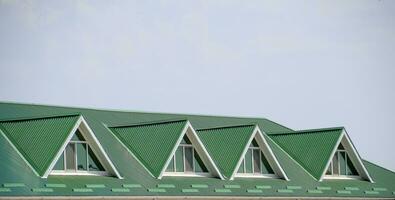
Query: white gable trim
x,y
267,152
345,140
93,142
200,149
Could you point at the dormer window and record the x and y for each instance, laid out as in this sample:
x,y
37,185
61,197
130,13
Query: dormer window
x,y
186,159
341,164
255,163
78,158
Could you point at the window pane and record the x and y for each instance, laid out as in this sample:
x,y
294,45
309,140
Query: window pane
x,y
94,164
342,162
185,140
329,171
257,166
199,165
265,166
241,168
70,157
77,136
248,159
60,164
254,143
170,168
335,164
179,160
350,167
188,159
81,156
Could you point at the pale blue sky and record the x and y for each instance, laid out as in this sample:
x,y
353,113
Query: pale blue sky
x,y
304,64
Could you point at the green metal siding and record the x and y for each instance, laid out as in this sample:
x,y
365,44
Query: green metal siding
x,y
225,145
151,143
38,140
311,149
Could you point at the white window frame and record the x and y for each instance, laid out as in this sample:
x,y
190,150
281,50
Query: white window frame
x,y
352,153
94,144
66,171
186,173
257,134
190,132
341,176
253,174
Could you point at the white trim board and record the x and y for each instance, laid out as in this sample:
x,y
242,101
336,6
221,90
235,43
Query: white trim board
x,y
267,152
344,139
200,149
94,145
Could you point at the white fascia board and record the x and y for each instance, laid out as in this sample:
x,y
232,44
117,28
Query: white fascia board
x,y
354,155
128,150
94,143
184,130
203,153
332,154
19,153
242,155
268,153
62,148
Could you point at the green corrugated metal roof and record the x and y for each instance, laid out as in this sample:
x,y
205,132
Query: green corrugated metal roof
x,y
16,178
151,143
38,140
310,148
226,144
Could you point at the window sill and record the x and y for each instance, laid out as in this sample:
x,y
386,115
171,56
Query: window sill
x,y
187,174
78,173
247,175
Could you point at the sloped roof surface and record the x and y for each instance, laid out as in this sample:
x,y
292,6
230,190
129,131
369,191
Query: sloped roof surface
x,y
17,179
225,145
151,143
310,148
38,140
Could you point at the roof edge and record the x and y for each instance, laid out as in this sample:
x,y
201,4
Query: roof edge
x,y
148,123
16,119
307,131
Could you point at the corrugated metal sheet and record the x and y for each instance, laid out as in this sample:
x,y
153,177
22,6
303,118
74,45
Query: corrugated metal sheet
x,y
311,149
38,140
225,145
151,143
13,169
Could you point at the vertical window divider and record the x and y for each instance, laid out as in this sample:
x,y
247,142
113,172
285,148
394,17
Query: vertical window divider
x,y
75,156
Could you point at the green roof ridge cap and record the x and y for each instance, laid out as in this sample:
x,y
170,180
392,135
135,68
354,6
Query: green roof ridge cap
x,y
148,123
308,130
225,127
133,111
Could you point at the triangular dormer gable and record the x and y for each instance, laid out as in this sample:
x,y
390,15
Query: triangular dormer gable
x,y
345,162
263,163
166,136
189,157
82,154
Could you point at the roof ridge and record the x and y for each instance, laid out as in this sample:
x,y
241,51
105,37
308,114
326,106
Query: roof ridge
x,y
135,111
149,123
223,127
306,131
16,119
